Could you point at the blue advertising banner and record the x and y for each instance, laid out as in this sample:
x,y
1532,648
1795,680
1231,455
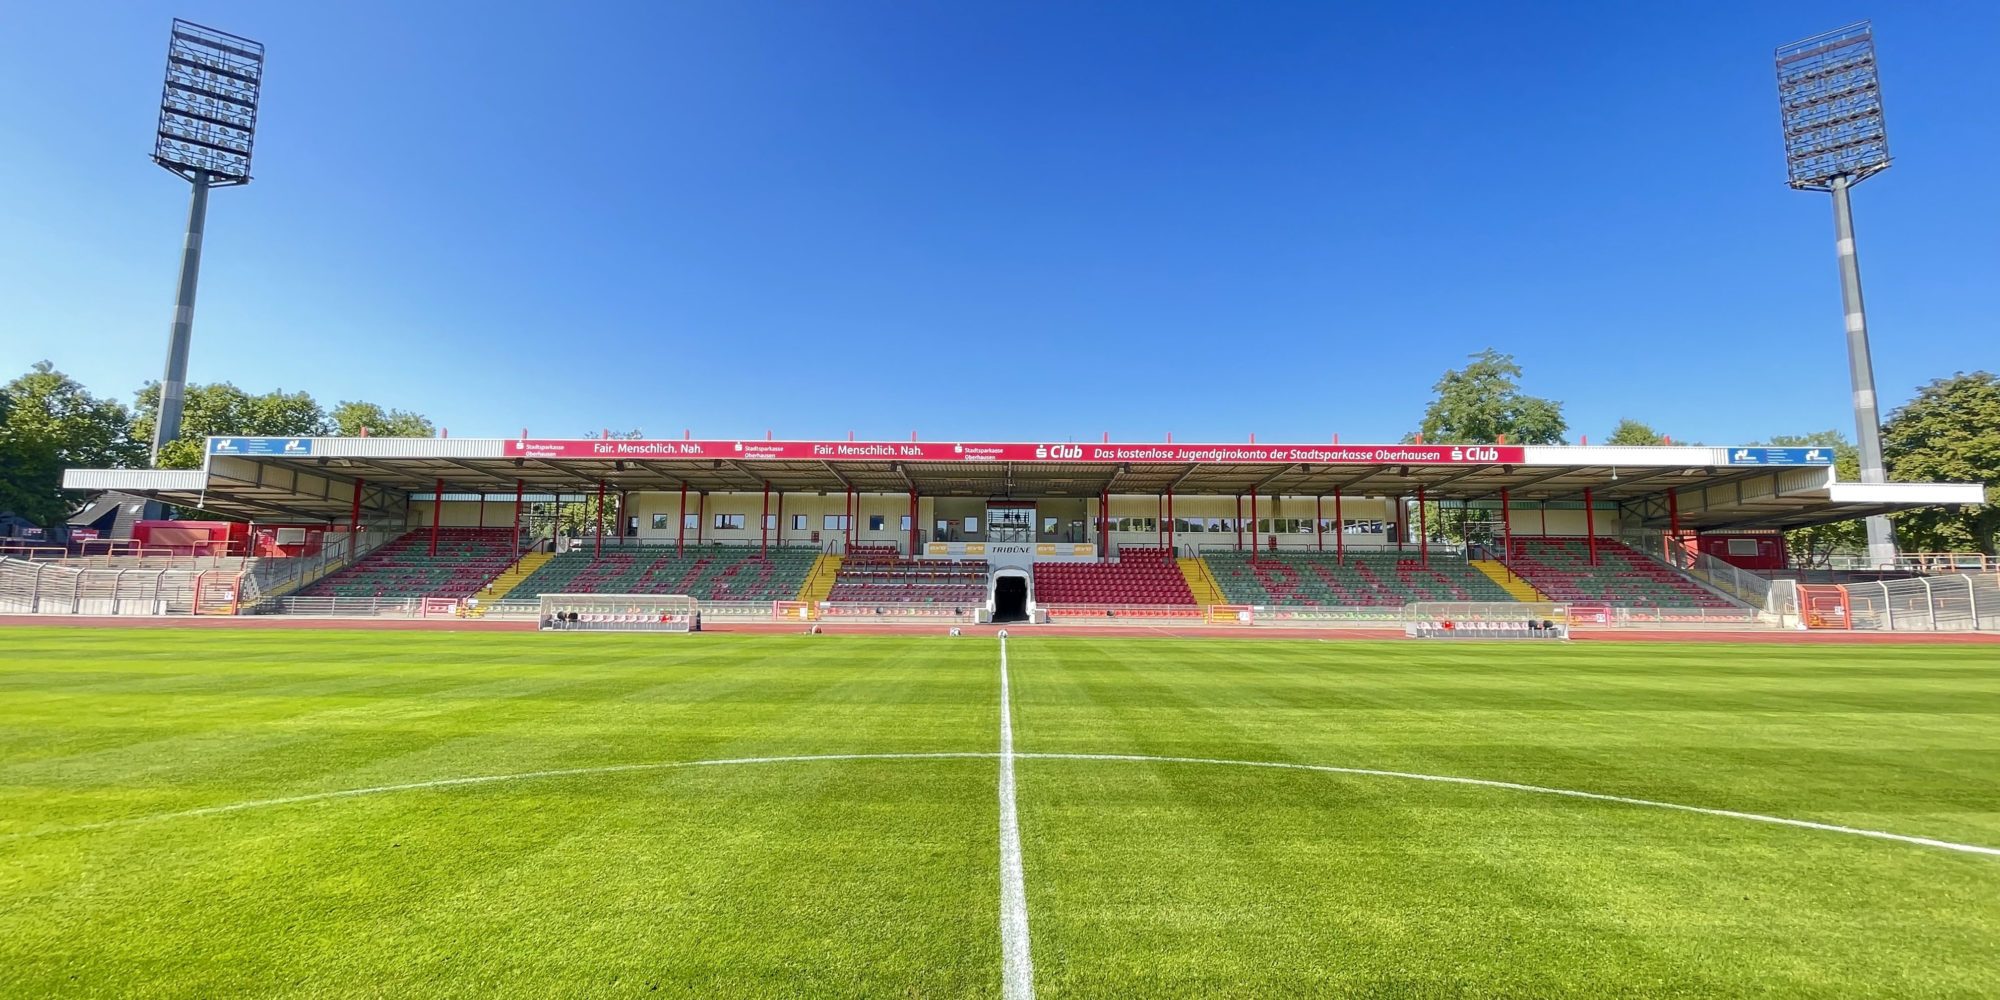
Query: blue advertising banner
x,y
1781,456
260,446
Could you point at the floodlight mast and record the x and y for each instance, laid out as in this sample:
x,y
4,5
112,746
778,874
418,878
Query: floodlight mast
x,y
1830,104
208,120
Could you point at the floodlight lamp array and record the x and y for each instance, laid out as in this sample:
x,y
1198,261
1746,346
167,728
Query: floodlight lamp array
x,y
1830,101
208,106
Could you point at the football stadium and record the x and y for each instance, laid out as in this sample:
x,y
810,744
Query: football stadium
x,y
329,715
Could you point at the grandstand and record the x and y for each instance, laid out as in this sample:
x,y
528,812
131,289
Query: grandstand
x,y
458,562
706,572
878,574
959,527
1566,570
1141,575
1355,580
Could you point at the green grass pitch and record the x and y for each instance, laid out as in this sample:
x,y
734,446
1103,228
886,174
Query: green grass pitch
x,y
166,828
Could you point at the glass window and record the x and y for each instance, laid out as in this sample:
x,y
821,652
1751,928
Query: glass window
x,y
875,522
1050,524
971,525
691,521
906,522
770,521
660,522
834,522
799,522
730,521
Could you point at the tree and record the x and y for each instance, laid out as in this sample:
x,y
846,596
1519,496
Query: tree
x,y
1949,433
353,416
221,408
581,518
1815,547
49,422
1632,432
1484,402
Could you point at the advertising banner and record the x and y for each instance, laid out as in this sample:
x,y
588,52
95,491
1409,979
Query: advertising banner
x,y
1059,452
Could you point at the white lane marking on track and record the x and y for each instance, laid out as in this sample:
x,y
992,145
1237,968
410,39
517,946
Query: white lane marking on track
x,y
1020,755
482,779
1017,967
1538,789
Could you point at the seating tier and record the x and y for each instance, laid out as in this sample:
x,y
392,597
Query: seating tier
x,y
1140,576
704,572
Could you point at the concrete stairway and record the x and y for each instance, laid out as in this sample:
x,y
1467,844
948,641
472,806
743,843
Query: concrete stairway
x,y
1201,582
1496,571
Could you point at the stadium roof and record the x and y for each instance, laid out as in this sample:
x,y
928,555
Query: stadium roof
x,y
314,479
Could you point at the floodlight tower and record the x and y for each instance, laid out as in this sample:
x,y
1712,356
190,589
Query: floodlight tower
x,y
208,117
1830,103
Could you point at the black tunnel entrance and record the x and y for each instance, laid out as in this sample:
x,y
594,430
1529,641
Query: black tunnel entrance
x,y
1010,599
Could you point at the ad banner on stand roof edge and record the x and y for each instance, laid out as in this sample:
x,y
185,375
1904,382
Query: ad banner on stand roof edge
x,y
1054,452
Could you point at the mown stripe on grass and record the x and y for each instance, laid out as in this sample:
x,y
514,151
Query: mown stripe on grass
x,y
1018,755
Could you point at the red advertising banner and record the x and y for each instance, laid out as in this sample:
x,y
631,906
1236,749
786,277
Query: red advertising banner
x,y
968,451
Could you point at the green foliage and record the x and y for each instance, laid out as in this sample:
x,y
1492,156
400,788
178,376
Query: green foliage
x,y
1814,547
1633,433
581,518
221,408
1949,433
49,422
351,417
1483,402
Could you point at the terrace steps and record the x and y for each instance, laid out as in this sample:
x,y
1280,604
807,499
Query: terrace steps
x,y
1520,589
521,570
1201,582
819,580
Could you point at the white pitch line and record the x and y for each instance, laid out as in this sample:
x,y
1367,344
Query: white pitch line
x,y
1017,967
1538,789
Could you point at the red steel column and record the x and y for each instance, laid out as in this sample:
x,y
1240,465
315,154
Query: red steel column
x,y
437,511
913,524
1104,524
624,503
1339,531
1590,525
1159,530
764,524
1239,522
681,523
1423,531
1170,520
1507,531
1673,512
519,487
482,506
354,517
1256,533
1319,524
853,514
700,516
1402,529
598,550
781,519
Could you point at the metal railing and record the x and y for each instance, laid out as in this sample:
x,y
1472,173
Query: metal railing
x,y
56,588
271,578
1961,602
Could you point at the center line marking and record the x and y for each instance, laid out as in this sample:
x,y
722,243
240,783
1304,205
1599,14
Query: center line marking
x,y
1017,969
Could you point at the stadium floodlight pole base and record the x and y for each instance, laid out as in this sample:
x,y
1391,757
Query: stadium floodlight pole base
x,y
173,385
1861,368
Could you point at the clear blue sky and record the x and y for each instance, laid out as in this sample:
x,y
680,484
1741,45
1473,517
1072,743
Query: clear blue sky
x,y
1002,221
